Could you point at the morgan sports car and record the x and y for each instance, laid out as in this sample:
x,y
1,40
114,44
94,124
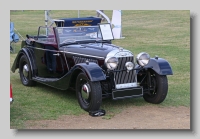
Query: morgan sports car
x,y
83,57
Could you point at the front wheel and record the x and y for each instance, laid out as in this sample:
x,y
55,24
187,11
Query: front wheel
x,y
89,94
158,89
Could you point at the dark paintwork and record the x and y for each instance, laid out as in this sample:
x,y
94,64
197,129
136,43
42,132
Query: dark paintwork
x,y
92,70
92,49
67,70
159,65
62,80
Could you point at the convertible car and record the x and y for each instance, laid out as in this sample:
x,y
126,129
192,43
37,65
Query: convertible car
x,y
83,57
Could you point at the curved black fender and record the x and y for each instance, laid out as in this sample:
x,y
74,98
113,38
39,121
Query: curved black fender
x,y
160,66
29,54
92,70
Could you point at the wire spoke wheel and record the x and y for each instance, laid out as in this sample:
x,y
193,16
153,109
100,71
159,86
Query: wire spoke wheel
x,y
158,89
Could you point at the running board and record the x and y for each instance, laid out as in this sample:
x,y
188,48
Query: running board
x,y
40,79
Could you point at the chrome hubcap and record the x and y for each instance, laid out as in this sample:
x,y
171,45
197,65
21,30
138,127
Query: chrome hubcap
x,y
25,70
85,91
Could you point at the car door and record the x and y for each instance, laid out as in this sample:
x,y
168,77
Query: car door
x,y
49,60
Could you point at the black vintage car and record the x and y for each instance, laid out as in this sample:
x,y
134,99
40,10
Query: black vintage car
x,y
84,58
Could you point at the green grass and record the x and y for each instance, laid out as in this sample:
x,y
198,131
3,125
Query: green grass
x,y
162,33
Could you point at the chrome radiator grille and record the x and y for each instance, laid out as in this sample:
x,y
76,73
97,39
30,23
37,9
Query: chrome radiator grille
x,y
83,60
122,77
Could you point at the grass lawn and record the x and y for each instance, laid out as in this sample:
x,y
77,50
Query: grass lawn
x,y
162,33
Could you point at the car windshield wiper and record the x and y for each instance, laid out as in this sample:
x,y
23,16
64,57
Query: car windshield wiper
x,y
67,43
102,41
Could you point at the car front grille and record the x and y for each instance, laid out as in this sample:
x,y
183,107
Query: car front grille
x,y
122,77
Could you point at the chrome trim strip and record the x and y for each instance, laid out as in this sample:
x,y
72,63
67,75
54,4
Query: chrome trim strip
x,y
44,49
126,85
84,55
66,60
69,53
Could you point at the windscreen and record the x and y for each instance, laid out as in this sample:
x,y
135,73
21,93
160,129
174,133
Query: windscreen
x,y
78,33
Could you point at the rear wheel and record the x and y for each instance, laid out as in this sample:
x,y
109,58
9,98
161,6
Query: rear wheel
x,y
158,89
25,72
89,94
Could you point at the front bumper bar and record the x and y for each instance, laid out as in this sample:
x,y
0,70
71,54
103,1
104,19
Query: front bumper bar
x,y
127,93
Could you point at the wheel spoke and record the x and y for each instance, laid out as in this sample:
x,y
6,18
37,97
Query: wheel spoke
x,y
158,90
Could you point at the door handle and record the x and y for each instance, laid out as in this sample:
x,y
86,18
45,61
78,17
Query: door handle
x,y
57,54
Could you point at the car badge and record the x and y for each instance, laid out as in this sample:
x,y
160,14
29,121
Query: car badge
x,y
87,62
120,49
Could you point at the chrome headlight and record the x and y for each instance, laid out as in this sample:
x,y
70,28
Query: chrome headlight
x,y
143,59
129,65
111,63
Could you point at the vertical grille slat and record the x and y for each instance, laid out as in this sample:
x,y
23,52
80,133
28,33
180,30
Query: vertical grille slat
x,y
130,79
118,68
123,77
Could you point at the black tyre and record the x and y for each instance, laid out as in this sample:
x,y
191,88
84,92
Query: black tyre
x,y
159,89
25,72
89,94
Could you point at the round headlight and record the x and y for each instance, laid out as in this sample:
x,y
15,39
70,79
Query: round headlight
x,y
111,63
129,65
143,59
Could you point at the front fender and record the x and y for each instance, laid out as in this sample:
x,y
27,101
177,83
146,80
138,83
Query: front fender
x,y
160,66
92,70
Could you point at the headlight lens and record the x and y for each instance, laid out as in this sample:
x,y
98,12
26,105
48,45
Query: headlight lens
x,y
143,59
129,65
111,63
